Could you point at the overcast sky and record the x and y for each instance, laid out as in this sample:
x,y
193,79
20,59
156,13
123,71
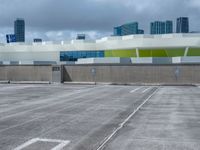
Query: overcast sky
x,y
63,19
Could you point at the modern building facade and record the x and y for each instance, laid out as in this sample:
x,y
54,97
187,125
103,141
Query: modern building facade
x,y
81,37
168,27
127,29
159,27
182,25
132,46
19,29
10,38
37,40
117,31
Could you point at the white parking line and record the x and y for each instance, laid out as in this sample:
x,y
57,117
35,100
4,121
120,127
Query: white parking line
x,y
135,90
146,89
61,143
121,125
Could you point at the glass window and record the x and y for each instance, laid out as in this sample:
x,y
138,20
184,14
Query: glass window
x,y
74,55
84,54
93,54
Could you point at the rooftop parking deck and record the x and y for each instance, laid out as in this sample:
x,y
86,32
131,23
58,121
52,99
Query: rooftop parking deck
x,y
94,117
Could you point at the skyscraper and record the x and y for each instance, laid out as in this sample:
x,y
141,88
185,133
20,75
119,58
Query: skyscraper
x,y
130,28
159,27
127,29
19,29
168,26
182,25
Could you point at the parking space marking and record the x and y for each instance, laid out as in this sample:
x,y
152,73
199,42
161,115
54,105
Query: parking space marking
x,y
60,146
132,91
146,89
121,125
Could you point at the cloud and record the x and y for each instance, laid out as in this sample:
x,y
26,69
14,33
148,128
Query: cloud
x,y
60,17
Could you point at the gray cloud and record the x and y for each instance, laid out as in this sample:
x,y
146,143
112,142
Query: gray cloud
x,y
91,16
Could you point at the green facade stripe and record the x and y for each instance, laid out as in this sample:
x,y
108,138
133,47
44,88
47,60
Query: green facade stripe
x,y
120,53
178,52
161,52
145,53
175,52
193,52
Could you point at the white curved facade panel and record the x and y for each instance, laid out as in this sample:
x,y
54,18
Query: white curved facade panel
x,y
50,51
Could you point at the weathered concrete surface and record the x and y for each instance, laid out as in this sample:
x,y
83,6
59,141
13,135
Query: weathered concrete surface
x,y
86,115
156,74
26,73
169,121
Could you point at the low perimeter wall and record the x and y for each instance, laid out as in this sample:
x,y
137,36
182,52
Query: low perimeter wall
x,y
157,74
26,73
122,74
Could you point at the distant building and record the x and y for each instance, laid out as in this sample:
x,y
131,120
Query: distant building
x,y
182,25
19,29
168,26
157,27
118,31
135,47
80,37
127,29
130,28
37,40
140,31
160,27
10,38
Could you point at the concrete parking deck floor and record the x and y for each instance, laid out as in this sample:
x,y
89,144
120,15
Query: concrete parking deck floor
x,y
80,117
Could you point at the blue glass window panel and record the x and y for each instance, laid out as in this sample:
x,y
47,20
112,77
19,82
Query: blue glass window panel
x,y
88,54
79,55
93,54
100,53
69,54
84,54
74,55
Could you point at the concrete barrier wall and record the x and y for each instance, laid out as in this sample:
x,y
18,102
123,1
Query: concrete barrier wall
x,y
160,74
26,73
125,74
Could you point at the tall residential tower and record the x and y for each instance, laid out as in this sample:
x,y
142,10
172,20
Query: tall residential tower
x,y
168,26
159,27
182,25
19,29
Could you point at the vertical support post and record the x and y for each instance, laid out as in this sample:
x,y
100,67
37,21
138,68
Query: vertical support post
x,y
186,51
137,53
